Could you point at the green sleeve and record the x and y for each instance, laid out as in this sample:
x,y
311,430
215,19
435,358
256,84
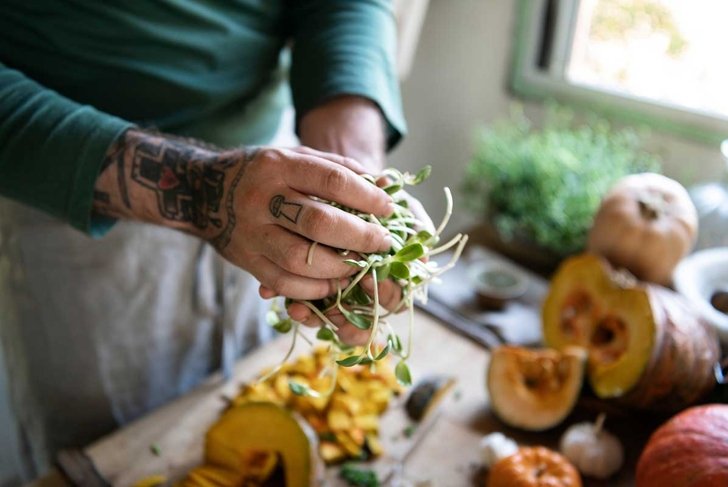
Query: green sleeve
x,y
51,149
346,47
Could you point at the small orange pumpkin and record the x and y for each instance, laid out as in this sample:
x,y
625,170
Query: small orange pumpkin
x,y
646,223
535,466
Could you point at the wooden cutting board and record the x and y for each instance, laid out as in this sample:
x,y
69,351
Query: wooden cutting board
x,y
177,430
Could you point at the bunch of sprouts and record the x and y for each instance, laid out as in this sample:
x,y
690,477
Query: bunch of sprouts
x,y
407,262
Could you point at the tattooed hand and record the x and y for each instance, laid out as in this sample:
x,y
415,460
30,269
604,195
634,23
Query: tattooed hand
x,y
253,206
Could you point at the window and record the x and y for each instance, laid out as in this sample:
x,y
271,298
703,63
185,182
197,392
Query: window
x,y
659,62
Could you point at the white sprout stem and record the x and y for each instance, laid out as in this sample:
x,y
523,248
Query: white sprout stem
x,y
442,248
599,423
356,280
455,256
309,257
410,328
318,313
448,211
278,367
375,321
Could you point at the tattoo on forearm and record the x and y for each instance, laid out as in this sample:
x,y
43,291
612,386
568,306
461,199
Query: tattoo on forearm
x,y
186,191
279,207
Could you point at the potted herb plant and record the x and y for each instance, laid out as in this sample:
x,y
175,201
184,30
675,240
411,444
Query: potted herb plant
x,y
538,189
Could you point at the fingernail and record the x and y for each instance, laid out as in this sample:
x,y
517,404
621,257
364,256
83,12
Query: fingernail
x,y
390,206
386,241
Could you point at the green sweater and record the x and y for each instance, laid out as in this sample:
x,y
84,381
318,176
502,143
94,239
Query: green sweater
x,y
74,74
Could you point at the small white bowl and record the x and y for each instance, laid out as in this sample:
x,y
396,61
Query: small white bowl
x,y
698,277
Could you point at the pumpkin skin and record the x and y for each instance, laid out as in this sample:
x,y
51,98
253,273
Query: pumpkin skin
x,y
647,345
646,223
690,450
534,467
534,389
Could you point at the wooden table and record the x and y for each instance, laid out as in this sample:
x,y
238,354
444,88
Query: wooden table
x,y
447,456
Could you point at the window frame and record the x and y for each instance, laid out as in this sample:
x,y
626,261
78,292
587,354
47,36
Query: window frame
x,y
531,81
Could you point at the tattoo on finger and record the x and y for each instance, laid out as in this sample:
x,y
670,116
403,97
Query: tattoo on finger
x,y
280,208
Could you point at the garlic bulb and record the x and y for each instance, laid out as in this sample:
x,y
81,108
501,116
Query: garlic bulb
x,y
496,446
593,450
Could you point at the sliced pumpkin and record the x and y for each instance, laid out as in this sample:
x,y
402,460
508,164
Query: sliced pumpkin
x,y
534,389
646,344
246,436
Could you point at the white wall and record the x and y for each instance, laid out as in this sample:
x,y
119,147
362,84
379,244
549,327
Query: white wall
x,y
460,79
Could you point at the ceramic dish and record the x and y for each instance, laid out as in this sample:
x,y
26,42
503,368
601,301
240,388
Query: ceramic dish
x,y
496,283
699,276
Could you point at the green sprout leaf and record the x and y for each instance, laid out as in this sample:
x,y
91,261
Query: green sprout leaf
x,y
383,353
399,270
392,188
283,326
421,175
359,296
410,252
350,361
297,388
402,373
383,272
325,334
360,321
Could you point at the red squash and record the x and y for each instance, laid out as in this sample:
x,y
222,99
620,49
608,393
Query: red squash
x,y
690,450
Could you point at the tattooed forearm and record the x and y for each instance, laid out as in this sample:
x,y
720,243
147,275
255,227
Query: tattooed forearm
x,y
187,189
164,180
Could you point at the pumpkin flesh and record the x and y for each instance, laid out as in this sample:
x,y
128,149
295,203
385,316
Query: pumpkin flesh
x,y
252,441
534,389
647,346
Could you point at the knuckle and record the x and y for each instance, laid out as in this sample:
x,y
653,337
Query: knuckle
x,y
294,257
280,285
268,157
315,222
335,180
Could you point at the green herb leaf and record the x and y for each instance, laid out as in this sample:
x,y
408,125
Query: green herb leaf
x,y
409,431
358,477
358,295
416,280
383,272
360,321
392,188
283,326
410,252
402,373
421,175
325,334
356,263
350,361
399,270
154,448
297,388
424,236
395,341
383,353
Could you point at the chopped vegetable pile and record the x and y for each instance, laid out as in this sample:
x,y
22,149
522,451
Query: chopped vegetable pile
x,y
347,420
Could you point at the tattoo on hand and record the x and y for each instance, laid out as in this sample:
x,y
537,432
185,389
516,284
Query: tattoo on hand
x,y
279,207
221,241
